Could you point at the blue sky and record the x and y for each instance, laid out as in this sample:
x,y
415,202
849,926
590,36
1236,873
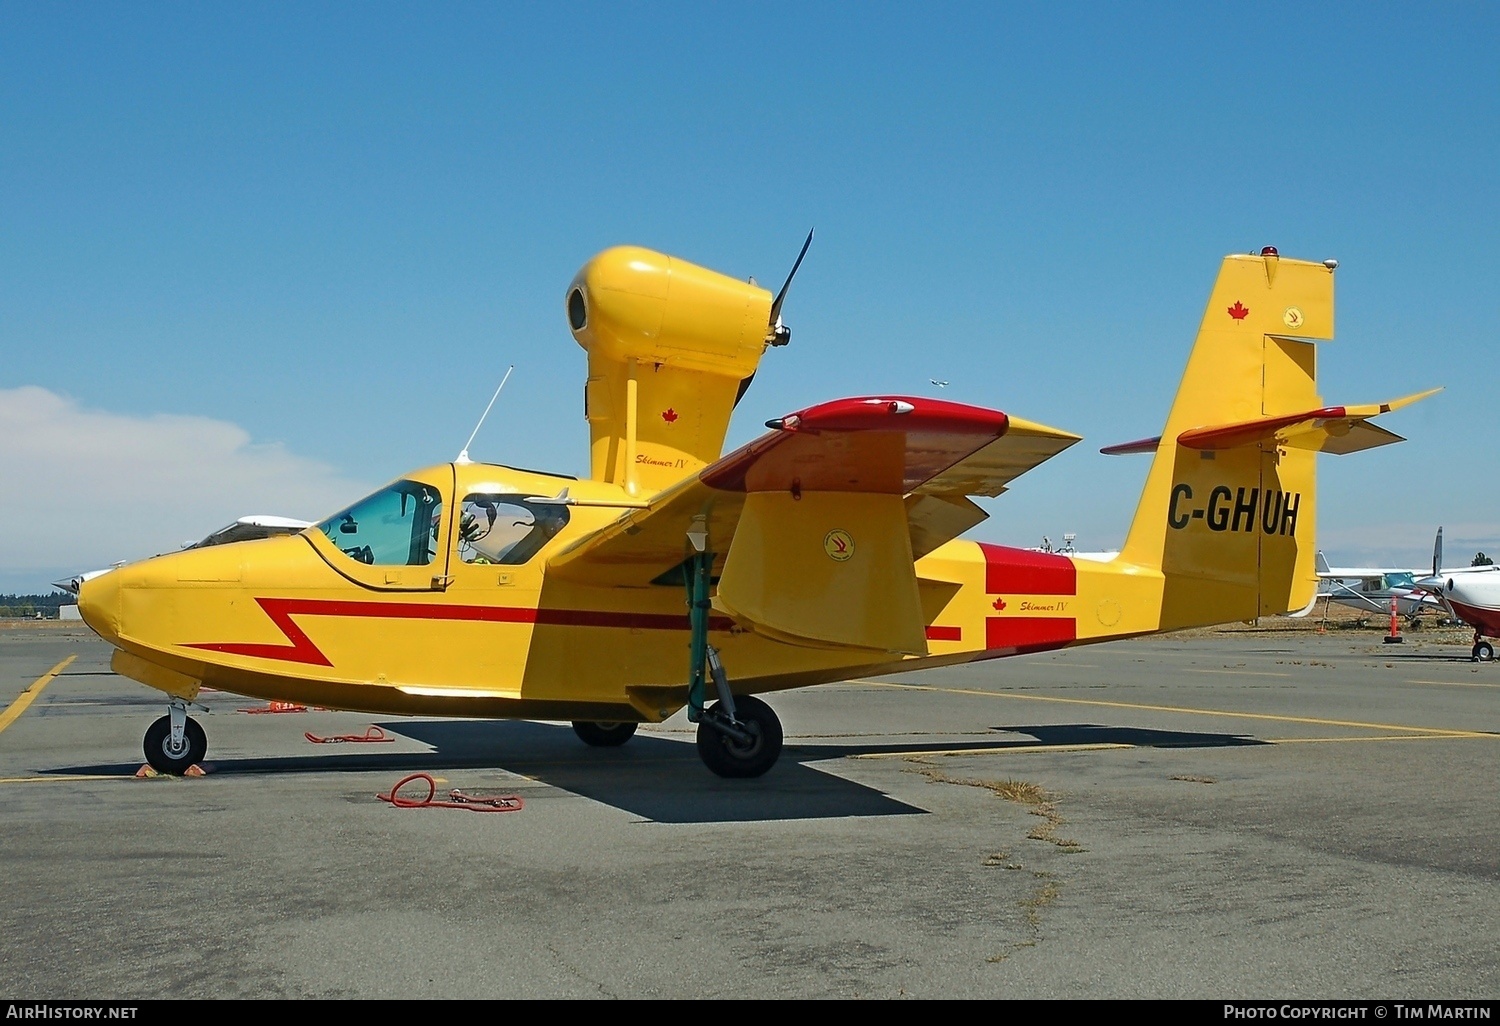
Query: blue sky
x,y
264,258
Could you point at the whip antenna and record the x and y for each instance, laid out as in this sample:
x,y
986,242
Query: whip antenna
x,y
463,457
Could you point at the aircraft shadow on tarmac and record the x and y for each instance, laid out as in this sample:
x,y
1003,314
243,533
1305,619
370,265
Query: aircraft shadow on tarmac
x,y
1136,737
661,779
652,777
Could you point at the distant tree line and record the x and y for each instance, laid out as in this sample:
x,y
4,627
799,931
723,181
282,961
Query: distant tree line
x,y
29,605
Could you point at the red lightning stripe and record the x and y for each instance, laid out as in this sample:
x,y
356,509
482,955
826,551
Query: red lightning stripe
x,y
303,650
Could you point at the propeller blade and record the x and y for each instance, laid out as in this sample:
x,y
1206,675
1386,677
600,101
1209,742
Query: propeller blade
x,y
779,335
1437,554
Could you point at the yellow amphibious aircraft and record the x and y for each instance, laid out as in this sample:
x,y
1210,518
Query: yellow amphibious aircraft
x,y
825,549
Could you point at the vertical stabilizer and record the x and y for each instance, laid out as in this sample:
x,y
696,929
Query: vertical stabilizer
x,y
1232,526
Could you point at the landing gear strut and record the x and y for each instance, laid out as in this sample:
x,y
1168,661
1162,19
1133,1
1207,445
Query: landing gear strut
x,y
737,737
175,742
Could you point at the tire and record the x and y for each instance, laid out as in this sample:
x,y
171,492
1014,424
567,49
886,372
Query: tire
x,y
159,753
1483,652
604,735
730,758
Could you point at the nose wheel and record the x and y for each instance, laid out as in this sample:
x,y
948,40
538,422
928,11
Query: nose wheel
x,y
174,742
1483,651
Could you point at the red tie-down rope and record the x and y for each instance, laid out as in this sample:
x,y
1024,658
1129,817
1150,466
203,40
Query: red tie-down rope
x,y
373,735
456,799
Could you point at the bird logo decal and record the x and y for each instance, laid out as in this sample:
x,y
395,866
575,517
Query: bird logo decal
x,y
838,545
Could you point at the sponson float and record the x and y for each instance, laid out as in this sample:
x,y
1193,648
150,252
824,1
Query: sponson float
x,y
677,576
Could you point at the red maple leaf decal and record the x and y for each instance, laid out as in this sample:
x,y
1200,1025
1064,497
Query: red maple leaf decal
x,y
1239,311
669,415
999,603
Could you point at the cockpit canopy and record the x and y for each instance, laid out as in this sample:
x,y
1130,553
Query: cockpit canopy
x,y
402,525
397,526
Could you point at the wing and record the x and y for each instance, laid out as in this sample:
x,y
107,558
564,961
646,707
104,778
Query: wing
x,y
815,527
1356,573
931,453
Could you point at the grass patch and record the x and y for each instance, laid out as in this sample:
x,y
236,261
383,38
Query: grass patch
x,y
1045,895
1022,792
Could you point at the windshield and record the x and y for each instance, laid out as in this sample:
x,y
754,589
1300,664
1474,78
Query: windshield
x,y
397,526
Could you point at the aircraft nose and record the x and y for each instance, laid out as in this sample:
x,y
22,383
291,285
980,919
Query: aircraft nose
x,y
99,604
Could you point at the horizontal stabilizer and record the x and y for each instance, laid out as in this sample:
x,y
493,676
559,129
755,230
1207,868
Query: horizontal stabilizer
x,y
1147,445
1334,429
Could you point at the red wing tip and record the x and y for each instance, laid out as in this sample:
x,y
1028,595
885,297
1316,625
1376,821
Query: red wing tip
x,y
895,412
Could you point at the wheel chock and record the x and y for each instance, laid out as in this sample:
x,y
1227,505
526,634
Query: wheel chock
x,y
146,772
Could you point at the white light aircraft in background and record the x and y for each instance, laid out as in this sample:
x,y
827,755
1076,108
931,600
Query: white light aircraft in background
x,y
1370,589
1471,594
244,529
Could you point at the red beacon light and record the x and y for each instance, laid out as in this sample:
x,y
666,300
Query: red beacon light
x,y
1269,251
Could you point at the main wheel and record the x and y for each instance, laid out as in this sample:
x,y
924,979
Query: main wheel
x,y
1483,651
163,757
603,735
730,758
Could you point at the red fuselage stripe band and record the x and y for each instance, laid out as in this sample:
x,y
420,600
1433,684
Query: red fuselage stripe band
x,y
303,650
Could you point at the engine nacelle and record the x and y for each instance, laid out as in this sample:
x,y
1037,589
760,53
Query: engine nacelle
x,y
671,348
630,302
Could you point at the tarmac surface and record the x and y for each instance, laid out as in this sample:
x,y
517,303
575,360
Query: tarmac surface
x,y
1259,814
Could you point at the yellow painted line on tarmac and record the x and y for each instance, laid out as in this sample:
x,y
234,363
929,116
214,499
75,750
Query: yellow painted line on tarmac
x,y
1455,683
1238,673
1004,750
1382,737
16,708
1181,710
